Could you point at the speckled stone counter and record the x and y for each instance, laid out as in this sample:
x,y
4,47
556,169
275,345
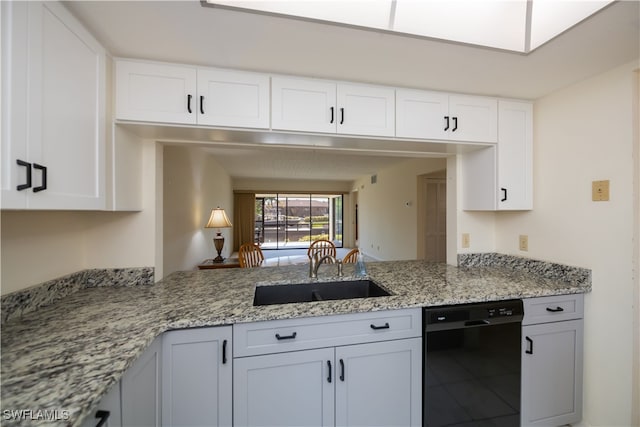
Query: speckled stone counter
x,y
65,356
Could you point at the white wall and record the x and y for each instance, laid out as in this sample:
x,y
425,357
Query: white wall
x,y
194,183
388,226
585,133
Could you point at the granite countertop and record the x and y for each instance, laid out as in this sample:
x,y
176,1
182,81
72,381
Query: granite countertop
x,y
66,356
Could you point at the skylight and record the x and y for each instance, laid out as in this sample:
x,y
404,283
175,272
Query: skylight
x,y
514,25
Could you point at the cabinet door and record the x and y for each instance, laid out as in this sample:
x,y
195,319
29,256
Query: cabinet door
x,y
286,389
473,118
233,98
421,114
303,105
366,110
155,92
196,377
515,156
552,373
110,407
141,389
58,93
14,103
379,384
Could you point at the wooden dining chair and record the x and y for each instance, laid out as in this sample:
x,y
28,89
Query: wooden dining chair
x,y
250,255
351,257
323,247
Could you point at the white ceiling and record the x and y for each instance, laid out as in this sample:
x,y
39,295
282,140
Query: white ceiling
x,y
186,32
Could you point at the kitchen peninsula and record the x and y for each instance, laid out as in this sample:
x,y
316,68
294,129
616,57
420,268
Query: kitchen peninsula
x,y
67,355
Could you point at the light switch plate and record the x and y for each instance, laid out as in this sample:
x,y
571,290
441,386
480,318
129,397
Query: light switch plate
x,y
600,191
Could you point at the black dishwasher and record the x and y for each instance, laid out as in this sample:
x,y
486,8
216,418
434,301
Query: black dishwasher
x,y
472,364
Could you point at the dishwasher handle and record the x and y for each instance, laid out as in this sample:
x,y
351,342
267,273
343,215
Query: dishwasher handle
x,y
482,322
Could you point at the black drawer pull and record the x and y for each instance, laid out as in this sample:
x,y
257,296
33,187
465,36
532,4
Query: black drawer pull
x,y
286,337
341,370
555,310
103,416
329,369
530,342
376,328
27,165
224,352
43,185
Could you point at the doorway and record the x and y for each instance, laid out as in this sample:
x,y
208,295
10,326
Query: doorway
x,y
432,217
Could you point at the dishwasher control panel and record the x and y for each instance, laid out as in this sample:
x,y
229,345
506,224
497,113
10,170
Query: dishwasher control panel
x,y
479,314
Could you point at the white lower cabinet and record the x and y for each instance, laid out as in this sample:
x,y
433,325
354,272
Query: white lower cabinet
x,y
196,377
379,384
284,389
108,410
376,383
552,361
141,389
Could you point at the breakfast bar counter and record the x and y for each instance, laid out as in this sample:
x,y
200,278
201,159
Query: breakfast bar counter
x,y
65,356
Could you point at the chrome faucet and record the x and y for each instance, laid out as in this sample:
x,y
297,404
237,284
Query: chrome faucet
x,y
316,260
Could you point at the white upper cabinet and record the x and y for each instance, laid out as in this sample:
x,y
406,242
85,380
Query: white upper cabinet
x,y
421,114
473,118
438,115
303,105
233,98
366,110
515,155
501,177
153,92
310,105
53,110
168,93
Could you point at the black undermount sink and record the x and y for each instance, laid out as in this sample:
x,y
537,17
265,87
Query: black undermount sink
x,y
319,291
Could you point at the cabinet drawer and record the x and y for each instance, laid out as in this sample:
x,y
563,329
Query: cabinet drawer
x,y
553,309
277,336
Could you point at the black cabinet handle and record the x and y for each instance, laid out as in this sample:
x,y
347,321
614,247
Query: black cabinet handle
x,y
103,416
201,104
286,337
530,342
375,328
224,352
555,310
329,369
447,120
341,370
189,103
341,115
455,124
43,185
504,194
27,165
332,118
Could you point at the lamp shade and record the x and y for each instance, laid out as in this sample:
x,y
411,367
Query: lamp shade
x,y
218,219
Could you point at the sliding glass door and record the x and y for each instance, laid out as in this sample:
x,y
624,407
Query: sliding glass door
x,y
285,221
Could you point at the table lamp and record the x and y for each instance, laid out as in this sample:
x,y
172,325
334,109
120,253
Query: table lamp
x,y
218,219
